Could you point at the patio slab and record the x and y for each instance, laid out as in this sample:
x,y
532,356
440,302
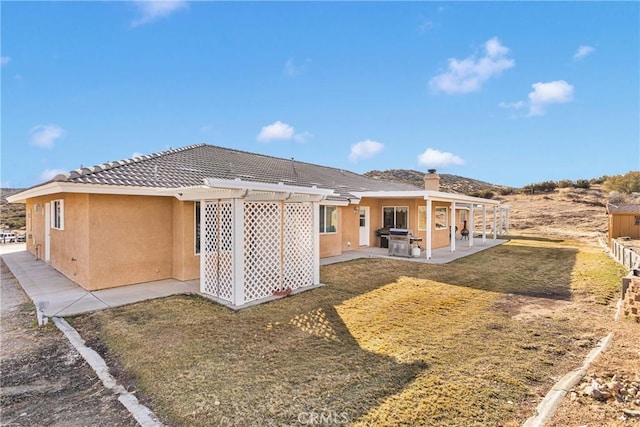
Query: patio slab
x,y
438,256
57,295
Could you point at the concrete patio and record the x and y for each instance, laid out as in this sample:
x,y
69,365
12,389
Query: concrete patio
x,y
56,295
438,256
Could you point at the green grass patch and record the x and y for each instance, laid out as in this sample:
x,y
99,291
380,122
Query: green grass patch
x,y
386,342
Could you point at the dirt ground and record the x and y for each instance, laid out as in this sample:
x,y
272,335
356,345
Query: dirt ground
x,y
43,380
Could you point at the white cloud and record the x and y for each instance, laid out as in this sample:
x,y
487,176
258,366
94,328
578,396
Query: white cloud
x,y
556,92
583,52
468,75
365,150
152,10
49,174
277,131
4,60
44,136
292,69
513,105
432,158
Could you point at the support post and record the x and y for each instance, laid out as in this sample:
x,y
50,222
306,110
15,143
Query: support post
x,y
238,252
471,225
495,226
453,227
316,242
484,224
429,232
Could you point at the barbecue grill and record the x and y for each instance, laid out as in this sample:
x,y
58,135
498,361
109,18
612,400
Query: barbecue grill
x,y
401,241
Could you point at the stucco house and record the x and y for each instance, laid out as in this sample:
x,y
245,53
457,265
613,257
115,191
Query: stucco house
x,y
624,220
248,226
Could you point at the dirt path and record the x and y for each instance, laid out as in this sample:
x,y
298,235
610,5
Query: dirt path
x,y
43,380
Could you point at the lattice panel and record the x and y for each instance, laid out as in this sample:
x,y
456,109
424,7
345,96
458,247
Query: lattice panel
x,y
261,249
298,245
217,249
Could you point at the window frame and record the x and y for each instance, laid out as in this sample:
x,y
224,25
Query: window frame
x,y
422,217
57,214
446,218
395,216
324,212
196,228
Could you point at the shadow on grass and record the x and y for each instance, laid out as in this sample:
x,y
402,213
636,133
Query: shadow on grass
x,y
288,362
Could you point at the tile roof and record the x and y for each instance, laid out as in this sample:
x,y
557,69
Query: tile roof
x,y
624,208
188,166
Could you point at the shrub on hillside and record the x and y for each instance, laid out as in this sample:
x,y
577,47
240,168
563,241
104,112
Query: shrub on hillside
x,y
616,197
626,184
583,183
565,183
544,187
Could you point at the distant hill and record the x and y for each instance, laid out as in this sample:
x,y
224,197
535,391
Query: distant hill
x,y
448,183
12,216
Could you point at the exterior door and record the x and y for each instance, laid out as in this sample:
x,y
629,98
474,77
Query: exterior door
x,y
364,226
47,232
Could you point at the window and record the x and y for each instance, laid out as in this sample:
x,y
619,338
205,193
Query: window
x,y
636,220
422,218
395,216
57,214
196,226
441,218
328,219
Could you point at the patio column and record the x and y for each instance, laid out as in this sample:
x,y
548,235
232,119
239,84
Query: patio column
x,y
471,225
507,214
484,224
500,228
495,217
316,242
452,226
429,222
238,252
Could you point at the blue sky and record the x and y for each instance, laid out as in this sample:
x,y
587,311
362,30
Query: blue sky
x,y
506,92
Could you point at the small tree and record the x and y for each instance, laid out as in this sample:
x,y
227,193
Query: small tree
x,y
583,183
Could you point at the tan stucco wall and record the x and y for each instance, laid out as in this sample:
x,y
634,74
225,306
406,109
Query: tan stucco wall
x,y
186,264
69,248
331,243
621,225
131,240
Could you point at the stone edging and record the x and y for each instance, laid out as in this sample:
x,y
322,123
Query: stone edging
x,y
141,413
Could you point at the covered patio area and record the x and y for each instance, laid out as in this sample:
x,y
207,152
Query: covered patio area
x,y
438,256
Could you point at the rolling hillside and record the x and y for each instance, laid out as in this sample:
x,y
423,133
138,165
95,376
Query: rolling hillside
x,y
448,183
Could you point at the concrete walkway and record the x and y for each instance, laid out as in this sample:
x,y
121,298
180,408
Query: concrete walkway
x,y
56,295
438,256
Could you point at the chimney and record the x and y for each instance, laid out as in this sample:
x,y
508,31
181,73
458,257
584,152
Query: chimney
x,y
432,181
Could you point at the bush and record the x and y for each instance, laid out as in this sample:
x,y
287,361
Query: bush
x,y
626,184
616,197
545,186
583,183
505,191
565,183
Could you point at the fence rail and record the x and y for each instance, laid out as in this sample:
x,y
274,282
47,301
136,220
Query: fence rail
x,y
624,255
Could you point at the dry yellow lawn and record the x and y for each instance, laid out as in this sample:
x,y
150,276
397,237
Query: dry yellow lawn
x,y
385,342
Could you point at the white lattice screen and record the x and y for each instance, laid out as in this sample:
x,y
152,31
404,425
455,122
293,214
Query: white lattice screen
x,y
217,249
278,248
261,249
298,245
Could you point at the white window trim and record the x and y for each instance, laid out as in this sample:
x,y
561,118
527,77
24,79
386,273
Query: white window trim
x,y
425,218
197,206
446,217
323,219
394,214
57,222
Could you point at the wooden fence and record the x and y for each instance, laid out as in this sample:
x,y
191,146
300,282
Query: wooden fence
x,y
624,255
